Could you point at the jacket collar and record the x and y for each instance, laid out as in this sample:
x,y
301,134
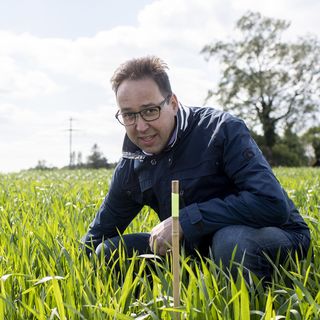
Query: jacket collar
x,y
131,151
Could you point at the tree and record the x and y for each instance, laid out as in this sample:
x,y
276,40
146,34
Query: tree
x,y
96,159
268,82
79,159
289,150
41,165
312,137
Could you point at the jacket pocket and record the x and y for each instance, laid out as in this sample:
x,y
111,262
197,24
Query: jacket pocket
x,y
202,182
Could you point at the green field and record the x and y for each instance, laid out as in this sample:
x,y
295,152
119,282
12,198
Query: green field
x,y
44,275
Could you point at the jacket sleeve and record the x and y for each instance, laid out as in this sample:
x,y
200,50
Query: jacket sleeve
x,y
259,199
113,216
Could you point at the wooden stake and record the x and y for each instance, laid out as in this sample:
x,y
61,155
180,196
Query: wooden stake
x,y
175,245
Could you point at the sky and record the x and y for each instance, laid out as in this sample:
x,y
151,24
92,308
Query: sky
x,y
57,58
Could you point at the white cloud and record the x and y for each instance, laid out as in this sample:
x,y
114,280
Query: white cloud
x,y
22,81
13,115
303,15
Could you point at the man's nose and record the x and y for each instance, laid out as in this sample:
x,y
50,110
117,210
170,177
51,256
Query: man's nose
x,y
141,125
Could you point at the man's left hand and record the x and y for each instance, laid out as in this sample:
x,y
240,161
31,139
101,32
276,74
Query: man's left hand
x,y
161,237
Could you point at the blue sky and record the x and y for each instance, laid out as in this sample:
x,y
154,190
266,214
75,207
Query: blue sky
x,y
67,18
56,59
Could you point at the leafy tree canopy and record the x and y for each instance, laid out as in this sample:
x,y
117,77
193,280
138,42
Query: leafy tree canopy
x,y
268,82
96,159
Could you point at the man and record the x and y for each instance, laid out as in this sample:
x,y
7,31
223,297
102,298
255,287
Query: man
x,y
231,203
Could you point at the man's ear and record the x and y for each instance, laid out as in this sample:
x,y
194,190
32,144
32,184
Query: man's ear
x,y
174,102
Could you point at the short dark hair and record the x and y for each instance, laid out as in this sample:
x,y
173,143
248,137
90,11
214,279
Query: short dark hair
x,y
144,67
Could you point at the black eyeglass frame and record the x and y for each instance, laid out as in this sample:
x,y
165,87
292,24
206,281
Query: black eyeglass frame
x,y
140,113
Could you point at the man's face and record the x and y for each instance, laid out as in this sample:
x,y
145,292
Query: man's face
x,y
136,95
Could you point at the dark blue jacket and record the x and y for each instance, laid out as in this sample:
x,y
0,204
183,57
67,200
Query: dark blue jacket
x,y
224,180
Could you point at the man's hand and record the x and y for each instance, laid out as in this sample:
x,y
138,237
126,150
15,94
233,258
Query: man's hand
x,y
161,237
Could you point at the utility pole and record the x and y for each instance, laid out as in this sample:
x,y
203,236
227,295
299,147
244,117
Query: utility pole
x,y
70,142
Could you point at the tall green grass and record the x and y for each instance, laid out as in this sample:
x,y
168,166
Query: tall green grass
x,y
44,274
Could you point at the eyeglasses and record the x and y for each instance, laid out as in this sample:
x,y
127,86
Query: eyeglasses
x,y
148,114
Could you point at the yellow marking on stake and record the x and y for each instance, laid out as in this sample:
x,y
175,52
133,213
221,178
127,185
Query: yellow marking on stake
x,y
175,204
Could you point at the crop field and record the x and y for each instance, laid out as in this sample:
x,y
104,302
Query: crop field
x,y
45,275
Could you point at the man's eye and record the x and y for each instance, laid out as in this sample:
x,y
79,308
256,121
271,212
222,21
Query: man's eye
x,y
128,115
150,111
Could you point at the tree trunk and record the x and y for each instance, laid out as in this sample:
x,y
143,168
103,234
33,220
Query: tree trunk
x,y
268,127
269,137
